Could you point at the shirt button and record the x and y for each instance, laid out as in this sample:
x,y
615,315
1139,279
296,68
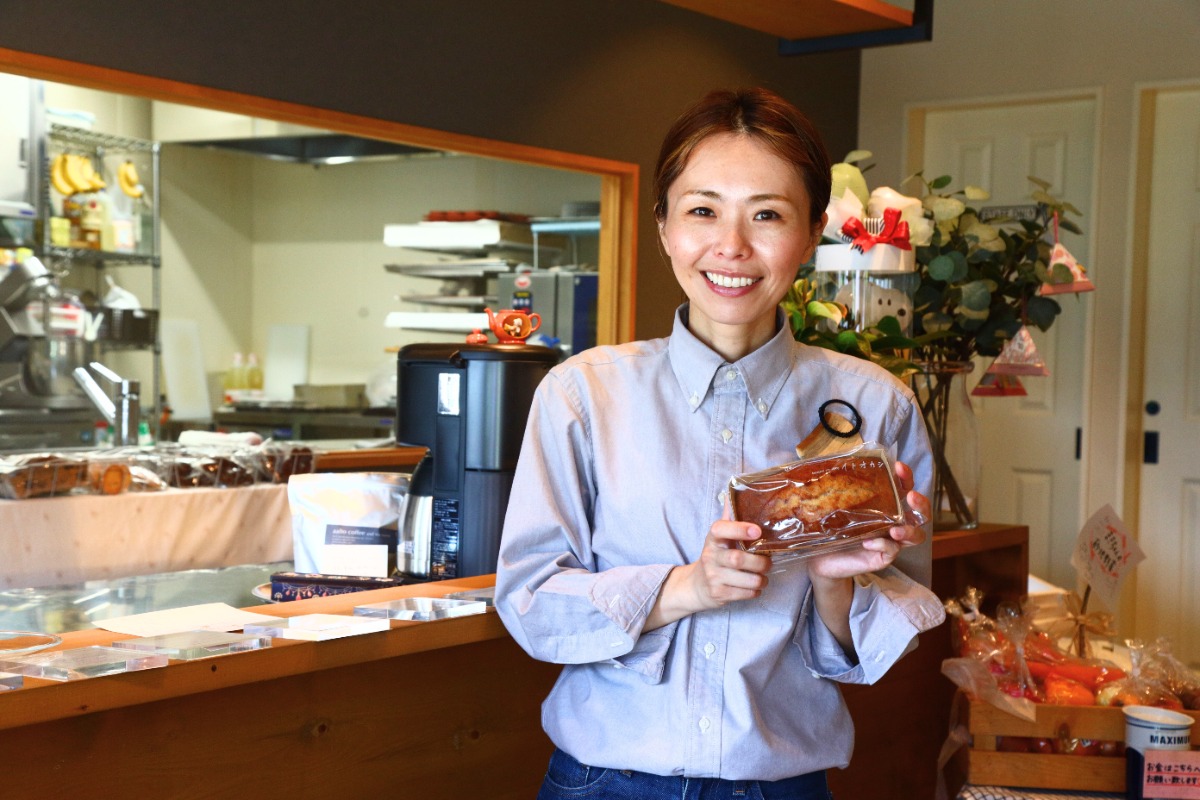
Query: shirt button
x,y
709,649
762,407
704,724
726,434
694,400
730,374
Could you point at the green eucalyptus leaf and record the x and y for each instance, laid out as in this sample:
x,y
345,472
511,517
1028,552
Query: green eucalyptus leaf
x,y
854,156
1043,197
1041,311
942,268
940,182
976,296
1068,225
982,255
1038,181
960,266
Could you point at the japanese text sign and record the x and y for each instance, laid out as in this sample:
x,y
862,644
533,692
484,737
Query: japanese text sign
x,y
1104,554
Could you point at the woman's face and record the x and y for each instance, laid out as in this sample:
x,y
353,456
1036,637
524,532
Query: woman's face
x,y
736,229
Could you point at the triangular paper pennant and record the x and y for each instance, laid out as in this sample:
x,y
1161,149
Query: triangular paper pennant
x,y
1019,357
1080,281
993,385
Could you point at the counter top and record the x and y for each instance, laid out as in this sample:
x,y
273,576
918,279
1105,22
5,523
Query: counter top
x,y
46,700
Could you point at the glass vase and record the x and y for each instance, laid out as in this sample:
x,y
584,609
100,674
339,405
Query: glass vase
x,y
941,389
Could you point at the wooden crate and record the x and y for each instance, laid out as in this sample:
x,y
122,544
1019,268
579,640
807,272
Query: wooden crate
x,y
989,767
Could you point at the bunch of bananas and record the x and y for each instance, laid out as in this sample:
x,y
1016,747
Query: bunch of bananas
x,y
71,173
128,180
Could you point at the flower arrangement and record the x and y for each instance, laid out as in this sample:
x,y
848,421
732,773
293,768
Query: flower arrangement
x,y
978,282
974,285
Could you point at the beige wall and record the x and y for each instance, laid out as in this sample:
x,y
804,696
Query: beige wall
x,y
986,50
248,242
318,245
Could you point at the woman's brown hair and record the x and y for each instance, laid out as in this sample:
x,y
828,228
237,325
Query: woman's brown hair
x,y
760,114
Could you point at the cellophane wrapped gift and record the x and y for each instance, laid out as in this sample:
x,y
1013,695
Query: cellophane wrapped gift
x,y
820,505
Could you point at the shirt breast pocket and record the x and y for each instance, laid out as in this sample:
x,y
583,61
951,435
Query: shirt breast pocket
x,y
786,587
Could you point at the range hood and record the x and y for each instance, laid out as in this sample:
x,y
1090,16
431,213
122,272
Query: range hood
x,y
316,149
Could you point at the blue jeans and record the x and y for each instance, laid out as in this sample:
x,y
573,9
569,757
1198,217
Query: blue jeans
x,y
567,779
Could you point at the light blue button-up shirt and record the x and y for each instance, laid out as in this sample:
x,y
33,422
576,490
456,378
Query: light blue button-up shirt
x,y
628,453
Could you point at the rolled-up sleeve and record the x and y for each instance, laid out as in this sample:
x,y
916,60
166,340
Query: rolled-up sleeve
x,y
889,609
549,592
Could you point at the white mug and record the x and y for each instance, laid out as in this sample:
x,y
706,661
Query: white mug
x,y
1151,728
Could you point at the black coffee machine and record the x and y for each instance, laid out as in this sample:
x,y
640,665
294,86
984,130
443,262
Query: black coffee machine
x,y
468,404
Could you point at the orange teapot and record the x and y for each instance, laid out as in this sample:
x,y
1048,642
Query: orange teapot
x,y
513,326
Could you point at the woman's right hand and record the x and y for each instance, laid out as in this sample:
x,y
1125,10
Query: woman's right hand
x,y
724,573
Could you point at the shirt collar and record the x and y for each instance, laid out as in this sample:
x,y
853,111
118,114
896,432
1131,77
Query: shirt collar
x,y
763,372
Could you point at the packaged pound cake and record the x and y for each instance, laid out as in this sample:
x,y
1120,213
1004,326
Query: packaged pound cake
x,y
819,505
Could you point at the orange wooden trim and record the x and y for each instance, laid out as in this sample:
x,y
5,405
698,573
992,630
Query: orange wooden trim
x,y
619,179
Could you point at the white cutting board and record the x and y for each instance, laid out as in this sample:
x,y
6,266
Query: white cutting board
x,y
286,361
183,370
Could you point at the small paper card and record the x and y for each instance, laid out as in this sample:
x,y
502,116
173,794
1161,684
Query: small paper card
x,y
319,627
421,609
1104,554
83,662
206,616
196,644
1170,774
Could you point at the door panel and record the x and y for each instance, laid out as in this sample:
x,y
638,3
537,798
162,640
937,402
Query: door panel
x,y
1030,473
1169,515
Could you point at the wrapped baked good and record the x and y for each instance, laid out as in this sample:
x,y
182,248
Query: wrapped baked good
x,y
108,477
819,505
40,476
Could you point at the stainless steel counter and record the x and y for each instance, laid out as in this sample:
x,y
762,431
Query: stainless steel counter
x,y
31,429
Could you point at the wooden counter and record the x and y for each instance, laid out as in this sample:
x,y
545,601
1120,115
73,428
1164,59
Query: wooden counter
x,y
901,721
399,459
447,709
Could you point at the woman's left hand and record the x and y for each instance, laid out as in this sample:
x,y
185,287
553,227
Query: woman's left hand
x,y
876,553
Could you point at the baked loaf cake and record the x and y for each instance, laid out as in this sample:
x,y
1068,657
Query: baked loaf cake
x,y
40,476
806,504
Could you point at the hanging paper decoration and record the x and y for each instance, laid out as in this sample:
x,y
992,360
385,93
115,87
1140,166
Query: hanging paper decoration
x,y
1059,255
993,385
1019,357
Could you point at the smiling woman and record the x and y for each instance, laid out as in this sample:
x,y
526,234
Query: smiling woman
x,y
618,550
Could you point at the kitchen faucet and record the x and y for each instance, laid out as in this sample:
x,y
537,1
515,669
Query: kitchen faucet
x,y
122,414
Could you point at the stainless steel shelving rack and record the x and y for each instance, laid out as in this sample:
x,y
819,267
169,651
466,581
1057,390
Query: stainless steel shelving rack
x,y
97,146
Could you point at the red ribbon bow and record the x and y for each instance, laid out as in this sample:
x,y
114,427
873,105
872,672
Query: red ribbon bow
x,y
894,232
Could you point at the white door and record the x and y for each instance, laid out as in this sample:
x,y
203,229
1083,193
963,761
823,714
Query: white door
x,y
1030,468
1168,602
